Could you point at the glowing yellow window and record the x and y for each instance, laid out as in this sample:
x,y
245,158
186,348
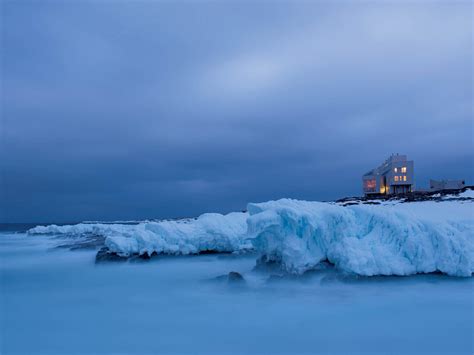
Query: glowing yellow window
x,y
404,169
396,177
405,178
395,170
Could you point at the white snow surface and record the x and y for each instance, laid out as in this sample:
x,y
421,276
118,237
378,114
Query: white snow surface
x,y
387,239
467,194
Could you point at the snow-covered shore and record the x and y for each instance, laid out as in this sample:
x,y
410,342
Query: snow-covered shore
x,y
391,238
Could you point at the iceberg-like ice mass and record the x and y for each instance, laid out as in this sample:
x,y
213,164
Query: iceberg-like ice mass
x,y
389,238
209,232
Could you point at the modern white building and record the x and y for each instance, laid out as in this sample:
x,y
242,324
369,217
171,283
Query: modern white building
x,y
394,176
436,185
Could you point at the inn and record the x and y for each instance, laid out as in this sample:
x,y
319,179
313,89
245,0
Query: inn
x,y
436,185
394,176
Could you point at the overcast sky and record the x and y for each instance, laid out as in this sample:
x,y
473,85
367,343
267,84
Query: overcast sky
x,y
126,110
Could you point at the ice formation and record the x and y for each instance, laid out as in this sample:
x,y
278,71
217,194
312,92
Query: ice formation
x,y
209,232
391,239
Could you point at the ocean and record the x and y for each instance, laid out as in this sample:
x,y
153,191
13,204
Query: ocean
x,y
58,301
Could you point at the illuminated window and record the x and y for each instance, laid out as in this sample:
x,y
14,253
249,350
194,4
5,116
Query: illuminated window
x,y
369,185
405,178
395,170
404,169
396,177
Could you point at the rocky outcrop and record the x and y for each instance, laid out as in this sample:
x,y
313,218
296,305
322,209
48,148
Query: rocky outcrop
x,y
232,278
104,255
415,196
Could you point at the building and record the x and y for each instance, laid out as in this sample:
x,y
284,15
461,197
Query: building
x,y
446,185
394,176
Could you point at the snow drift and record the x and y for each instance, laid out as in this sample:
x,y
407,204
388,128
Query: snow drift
x,y
390,239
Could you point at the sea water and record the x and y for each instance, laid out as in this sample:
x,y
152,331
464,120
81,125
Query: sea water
x,y
58,301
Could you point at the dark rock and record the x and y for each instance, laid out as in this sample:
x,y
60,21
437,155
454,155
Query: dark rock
x,y
144,256
147,256
266,264
350,203
414,196
211,252
137,258
322,268
235,277
105,255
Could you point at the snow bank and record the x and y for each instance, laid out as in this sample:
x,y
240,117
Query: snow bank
x,y
209,232
396,239
467,194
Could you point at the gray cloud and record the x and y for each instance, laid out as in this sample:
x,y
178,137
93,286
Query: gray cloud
x,y
143,110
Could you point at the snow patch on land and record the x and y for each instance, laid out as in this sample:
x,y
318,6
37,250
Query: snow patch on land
x,y
467,194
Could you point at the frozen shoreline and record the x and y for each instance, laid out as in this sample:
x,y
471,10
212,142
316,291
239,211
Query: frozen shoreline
x,y
389,237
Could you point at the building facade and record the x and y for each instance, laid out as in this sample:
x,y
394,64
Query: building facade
x,y
436,185
394,176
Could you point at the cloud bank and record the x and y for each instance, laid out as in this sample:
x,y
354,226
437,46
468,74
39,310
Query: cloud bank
x,y
155,109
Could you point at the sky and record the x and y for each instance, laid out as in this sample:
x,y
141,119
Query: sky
x,y
114,110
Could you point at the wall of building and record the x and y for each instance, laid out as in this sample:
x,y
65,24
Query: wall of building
x,y
395,175
436,185
401,174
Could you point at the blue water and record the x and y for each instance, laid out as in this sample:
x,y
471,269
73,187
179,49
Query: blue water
x,y
56,301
